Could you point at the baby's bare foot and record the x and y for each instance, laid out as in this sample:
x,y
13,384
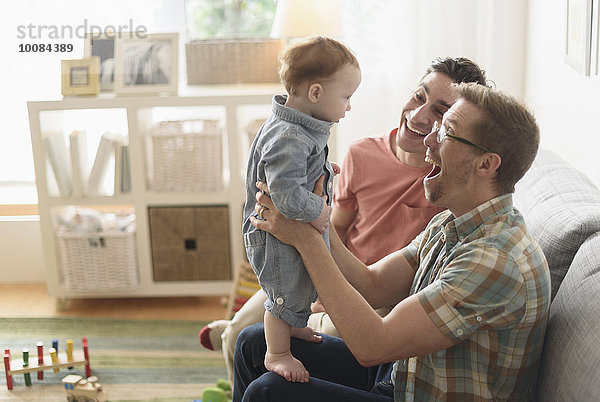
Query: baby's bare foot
x,y
307,334
286,366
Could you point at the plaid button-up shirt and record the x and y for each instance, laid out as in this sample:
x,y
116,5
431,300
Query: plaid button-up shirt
x,y
485,284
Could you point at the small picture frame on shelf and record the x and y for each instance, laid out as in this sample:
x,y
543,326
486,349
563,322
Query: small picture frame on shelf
x,y
146,64
80,76
103,46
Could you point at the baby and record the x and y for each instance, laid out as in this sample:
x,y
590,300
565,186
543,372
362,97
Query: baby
x,y
289,153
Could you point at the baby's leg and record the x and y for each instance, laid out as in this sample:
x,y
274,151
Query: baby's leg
x,y
278,358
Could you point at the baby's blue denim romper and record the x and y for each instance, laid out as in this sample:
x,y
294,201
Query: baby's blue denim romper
x,y
289,153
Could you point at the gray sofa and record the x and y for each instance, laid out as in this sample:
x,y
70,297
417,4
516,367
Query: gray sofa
x,y
562,210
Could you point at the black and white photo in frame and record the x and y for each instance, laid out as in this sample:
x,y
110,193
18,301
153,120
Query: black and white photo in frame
x,y
146,64
103,46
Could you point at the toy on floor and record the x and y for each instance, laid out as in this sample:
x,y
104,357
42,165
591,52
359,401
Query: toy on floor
x,y
54,361
79,389
220,393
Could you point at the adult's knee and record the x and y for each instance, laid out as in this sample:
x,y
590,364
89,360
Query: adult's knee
x,y
267,387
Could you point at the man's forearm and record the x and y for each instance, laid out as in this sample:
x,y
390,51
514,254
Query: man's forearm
x,y
354,270
341,233
352,315
342,219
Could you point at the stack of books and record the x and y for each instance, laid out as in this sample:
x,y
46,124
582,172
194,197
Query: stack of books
x,y
109,174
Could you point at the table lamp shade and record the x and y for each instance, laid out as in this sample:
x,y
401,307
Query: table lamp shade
x,y
300,18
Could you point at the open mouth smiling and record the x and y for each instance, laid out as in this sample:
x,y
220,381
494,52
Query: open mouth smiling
x,y
413,129
436,170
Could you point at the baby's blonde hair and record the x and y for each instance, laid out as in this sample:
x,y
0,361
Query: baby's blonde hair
x,y
316,58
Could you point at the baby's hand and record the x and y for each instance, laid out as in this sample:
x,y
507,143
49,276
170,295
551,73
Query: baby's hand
x,y
322,222
336,168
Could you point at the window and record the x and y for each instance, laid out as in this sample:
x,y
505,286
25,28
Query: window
x,y
208,19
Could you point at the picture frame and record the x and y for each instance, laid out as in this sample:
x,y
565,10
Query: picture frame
x,y
103,46
80,76
579,35
146,64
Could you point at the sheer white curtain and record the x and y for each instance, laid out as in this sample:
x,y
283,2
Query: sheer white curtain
x,y
395,41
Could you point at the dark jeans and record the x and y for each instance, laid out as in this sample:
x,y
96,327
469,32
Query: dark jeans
x,y
335,374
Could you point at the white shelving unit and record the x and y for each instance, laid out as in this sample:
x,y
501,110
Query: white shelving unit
x,y
233,106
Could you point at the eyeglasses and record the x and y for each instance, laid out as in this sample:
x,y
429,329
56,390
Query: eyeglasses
x,y
442,133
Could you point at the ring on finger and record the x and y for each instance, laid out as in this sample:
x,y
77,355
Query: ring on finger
x,y
260,212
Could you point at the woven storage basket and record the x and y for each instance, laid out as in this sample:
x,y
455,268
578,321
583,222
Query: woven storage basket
x,y
187,155
190,243
98,262
232,61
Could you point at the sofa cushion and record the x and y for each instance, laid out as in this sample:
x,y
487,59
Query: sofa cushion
x,y
570,364
561,207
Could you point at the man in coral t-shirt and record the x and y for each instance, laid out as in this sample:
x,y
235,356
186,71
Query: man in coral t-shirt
x,y
380,202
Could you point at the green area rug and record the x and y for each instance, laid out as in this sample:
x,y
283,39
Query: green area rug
x,y
134,359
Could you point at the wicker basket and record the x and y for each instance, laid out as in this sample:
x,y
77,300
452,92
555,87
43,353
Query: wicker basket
x,y
98,262
232,61
190,243
187,155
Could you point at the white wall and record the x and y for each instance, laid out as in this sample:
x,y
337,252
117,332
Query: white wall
x,y
21,251
519,43
565,102
395,40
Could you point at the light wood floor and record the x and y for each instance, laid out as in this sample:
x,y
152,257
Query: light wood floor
x,y
32,300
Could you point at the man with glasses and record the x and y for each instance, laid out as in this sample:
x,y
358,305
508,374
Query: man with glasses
x,y
471,292
442,132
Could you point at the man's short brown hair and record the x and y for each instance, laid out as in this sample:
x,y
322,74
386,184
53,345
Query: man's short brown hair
x,y
316,58
459,69
508,128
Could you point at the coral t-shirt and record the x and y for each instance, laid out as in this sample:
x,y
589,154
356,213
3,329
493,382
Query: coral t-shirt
x,y
388,195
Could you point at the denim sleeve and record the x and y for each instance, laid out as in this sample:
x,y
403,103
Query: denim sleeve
x,y
285,166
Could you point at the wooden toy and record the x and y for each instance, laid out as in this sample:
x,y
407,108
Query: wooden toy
x,y
54,361
7,367
40,350
54,358
25,365
70,352
80,389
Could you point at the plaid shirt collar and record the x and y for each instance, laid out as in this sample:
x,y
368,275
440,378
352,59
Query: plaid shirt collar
x,y
455,230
